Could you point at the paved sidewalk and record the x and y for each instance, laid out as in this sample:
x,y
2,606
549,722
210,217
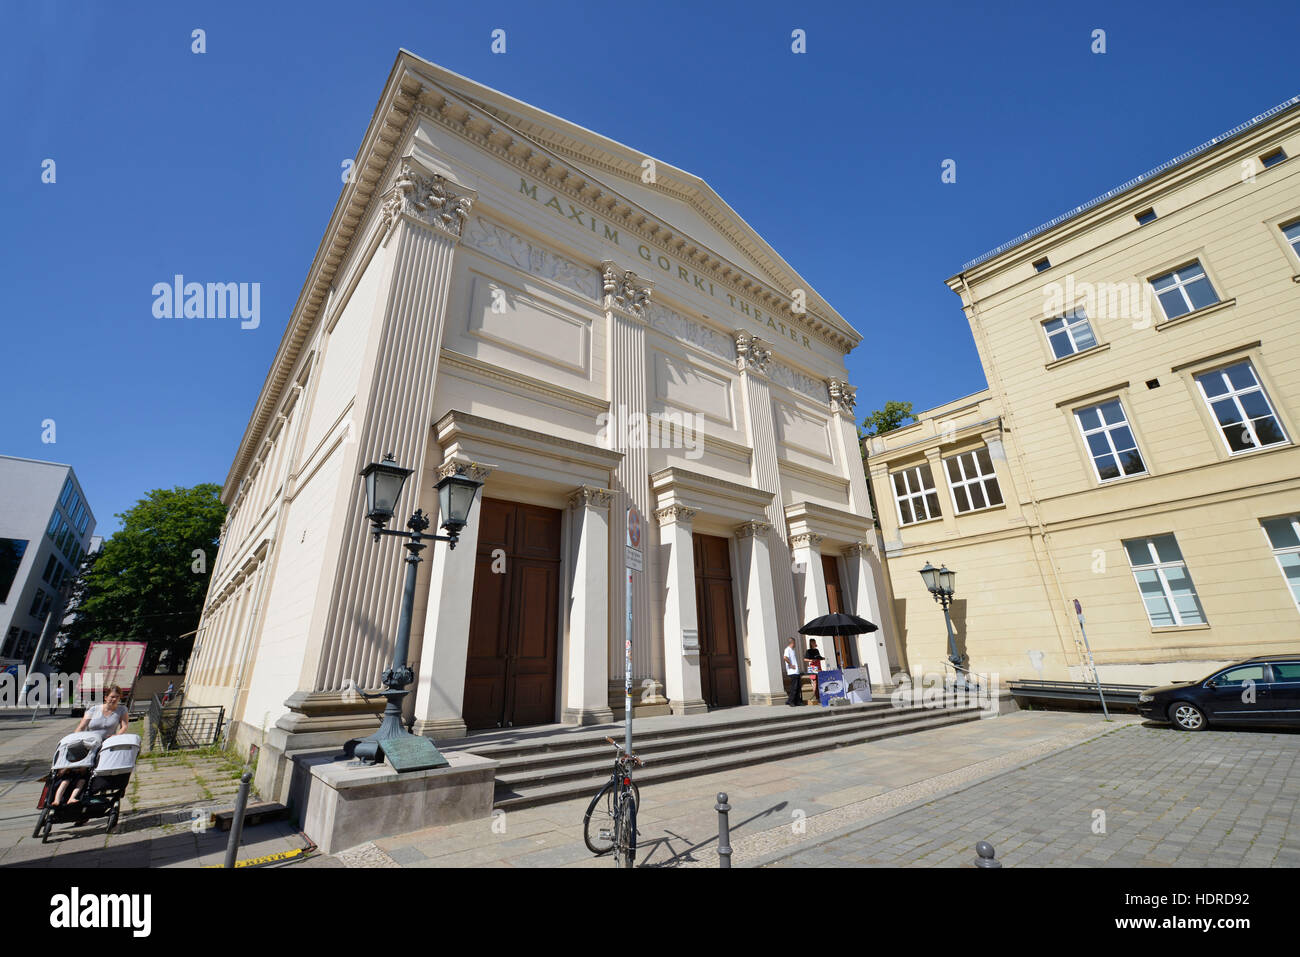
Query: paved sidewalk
x,y
155,828
775,805
1144,796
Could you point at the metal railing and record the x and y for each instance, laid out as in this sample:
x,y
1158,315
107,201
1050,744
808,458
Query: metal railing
x,y
174,725
976,683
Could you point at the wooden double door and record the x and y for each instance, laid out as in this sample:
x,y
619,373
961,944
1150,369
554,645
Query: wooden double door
x,y
844,657
716,614
511,666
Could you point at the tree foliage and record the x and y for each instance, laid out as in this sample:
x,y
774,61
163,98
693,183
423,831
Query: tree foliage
x,y
148,581
894,415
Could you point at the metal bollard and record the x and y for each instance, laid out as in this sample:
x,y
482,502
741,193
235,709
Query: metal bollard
x,y
724,831
985,851
237,823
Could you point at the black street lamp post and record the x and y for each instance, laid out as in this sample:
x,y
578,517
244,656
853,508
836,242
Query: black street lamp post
x,y
456,492
942,583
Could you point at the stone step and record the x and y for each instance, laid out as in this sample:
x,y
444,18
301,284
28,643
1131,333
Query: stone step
x,y
575,741
597,757
786,746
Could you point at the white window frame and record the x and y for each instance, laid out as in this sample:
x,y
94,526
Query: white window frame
x,y
1294,244
1287,550
1181,285
913,497
1105,430
1234,393
1072,320
1159,567
979,478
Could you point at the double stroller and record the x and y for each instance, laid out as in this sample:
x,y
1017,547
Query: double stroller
x,y
101,770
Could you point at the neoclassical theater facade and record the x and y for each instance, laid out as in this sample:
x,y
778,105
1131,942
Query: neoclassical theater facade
x,y
656,404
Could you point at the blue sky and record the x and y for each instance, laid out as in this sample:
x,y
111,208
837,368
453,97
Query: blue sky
x,y
225,166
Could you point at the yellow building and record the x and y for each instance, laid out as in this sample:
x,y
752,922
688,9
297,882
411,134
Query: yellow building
x,y
1136,447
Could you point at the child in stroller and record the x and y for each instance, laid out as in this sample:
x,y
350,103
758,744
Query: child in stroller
x,y
74,759
103,770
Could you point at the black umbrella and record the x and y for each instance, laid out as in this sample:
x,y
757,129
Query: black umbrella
x,y
838,624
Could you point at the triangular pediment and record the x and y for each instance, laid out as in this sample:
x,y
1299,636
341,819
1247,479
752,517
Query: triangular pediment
x,y
685,205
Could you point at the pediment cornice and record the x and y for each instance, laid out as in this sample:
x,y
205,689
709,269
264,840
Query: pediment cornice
x,y
410,93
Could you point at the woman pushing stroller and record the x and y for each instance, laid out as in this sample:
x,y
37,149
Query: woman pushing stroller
x,y
103,721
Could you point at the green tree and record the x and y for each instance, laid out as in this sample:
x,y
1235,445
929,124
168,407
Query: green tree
x,y
149,579
894,415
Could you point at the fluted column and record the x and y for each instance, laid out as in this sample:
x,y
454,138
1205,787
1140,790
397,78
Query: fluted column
x,y
843,400
812,580
422,214
681,621
752,357
866,586
763,642
587,665
440,678
624,296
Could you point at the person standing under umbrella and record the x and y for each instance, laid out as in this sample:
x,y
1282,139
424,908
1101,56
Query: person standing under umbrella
x,y
791,656
813,657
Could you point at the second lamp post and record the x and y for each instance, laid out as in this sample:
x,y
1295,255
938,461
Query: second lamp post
x,y
942,583
456,492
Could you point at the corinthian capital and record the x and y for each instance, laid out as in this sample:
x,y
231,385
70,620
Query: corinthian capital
x,y
470,470
753,529
752,353
430,198
675,513
588,496
844,397
624,289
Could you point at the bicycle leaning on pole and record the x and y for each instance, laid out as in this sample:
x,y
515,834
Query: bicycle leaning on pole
x,y
610,821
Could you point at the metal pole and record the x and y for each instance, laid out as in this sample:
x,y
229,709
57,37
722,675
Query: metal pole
x,y
627,670
1091,663
724,831
237,822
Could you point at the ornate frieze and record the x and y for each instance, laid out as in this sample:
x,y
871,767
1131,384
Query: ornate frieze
x,y
796,381
674,513
679,327
624,289
588,496
843,396
505,247
752,353
753,529
432,199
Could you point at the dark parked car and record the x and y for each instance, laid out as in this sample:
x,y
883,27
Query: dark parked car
x,y
1263,690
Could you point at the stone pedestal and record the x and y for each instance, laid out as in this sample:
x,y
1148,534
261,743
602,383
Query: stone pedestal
x,y
347,804
316,721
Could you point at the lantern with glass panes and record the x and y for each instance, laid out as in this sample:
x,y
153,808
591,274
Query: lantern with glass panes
x,y
456,493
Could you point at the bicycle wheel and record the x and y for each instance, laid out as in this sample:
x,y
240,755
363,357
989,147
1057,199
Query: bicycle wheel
x,y
627,834
599,816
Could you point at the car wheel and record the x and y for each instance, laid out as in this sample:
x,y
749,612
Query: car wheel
x,y
1187,716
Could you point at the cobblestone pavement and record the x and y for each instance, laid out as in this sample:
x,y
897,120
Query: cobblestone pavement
x,y
154,830
776,805
1143,796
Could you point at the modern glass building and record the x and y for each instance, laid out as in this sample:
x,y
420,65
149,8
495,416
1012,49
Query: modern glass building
x,y
45,530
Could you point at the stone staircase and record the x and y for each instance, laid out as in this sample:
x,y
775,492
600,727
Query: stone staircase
x,y
562,767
